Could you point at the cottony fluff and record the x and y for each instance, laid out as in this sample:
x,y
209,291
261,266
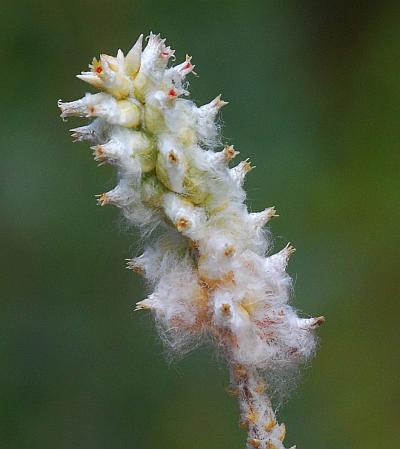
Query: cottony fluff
x,y
207,269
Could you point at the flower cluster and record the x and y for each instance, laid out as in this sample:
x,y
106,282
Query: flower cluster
x,y
207,268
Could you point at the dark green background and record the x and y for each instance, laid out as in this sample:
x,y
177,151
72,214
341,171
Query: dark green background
x,y
314,93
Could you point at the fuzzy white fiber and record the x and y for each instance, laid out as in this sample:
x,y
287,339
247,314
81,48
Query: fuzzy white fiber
x,y
208,271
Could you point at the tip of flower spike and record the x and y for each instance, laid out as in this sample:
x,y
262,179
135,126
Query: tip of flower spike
x,y
64,109
289,250
90,78
188,67
135,266
247,167
214,105
279,260
167,53
225,156
314,323
143,305
109,62
271,212
77,108
240,171
309,324
103,199
218,102
81,133
133,58
99,154
286,253
153,40
138,43
262,218
156,42
230,152
120,55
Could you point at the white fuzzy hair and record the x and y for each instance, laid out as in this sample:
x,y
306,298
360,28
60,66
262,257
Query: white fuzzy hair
x,y
208,271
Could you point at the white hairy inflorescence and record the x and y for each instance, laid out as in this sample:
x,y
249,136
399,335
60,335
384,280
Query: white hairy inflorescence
x,y
207,268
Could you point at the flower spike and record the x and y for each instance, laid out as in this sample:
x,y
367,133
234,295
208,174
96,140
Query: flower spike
x,y
208,268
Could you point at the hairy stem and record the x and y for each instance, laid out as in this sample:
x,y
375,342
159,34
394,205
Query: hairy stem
x,y
256,412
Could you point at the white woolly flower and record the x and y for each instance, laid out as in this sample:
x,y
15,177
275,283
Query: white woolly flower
x,y
208,270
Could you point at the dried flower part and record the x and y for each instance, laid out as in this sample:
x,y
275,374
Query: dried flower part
x,y
208,271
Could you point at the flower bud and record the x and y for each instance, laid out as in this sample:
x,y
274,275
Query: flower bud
x,y
133,58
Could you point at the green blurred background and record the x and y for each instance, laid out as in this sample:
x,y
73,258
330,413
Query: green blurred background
x,y
314,93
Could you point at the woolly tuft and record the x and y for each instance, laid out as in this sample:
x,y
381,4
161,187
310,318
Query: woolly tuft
x,y
208,272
